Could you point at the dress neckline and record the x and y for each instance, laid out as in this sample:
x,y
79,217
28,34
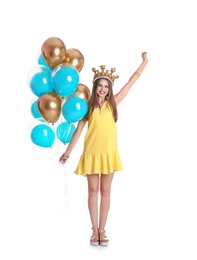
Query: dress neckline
x,y
102,105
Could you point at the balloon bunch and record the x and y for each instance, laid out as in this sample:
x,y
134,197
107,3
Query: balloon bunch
x,y
58,93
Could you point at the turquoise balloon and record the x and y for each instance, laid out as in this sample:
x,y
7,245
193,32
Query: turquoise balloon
x,y
65,132
42,61
41,82
43,135
34,110
74,109
65,79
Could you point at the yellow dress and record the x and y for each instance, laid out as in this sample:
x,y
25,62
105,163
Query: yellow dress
x,y
100,154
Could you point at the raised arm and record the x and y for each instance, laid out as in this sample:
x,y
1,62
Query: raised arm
x,y
73,141
125,89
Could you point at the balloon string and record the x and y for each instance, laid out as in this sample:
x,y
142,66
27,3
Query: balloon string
x,y
66,177
66,190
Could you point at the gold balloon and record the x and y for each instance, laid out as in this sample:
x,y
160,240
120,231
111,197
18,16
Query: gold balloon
x,y
84,90
53,51
75,58
49,106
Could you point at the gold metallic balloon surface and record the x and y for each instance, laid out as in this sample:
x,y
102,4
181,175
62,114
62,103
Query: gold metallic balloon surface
x,y
49,106
75,58
53,51
83,89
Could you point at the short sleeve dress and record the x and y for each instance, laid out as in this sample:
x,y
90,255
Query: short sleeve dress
x,y
100,154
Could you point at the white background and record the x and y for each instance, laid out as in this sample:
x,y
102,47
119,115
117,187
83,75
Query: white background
x,y
153,206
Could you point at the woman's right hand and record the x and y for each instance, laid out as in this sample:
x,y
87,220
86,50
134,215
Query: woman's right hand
x,y
63,158
144,56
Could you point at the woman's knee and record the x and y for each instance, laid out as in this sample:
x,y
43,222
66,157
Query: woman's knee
x,y
93,191
105,191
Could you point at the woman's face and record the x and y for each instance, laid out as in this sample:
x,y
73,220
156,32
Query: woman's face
x,y
102,88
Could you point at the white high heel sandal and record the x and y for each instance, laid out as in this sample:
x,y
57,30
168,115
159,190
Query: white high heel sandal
x,y
103,240
94,240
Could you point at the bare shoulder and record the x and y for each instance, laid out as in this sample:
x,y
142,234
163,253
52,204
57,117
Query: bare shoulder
x,y
81,123
116,99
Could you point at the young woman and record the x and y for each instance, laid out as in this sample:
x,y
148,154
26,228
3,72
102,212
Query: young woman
x,y
100,158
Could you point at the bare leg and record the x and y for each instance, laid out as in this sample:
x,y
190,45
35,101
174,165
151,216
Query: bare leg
x,y
93,188
105,190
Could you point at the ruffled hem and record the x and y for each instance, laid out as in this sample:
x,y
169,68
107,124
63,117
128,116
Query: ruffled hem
x,y
104,163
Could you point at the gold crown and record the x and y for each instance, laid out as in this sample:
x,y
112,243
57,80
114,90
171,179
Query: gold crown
x,y
104,74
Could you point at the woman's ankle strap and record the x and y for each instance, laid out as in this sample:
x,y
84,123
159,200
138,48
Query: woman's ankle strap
x,y
101,230
94,229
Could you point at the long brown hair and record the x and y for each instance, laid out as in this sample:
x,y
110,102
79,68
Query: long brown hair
x,y
93,101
